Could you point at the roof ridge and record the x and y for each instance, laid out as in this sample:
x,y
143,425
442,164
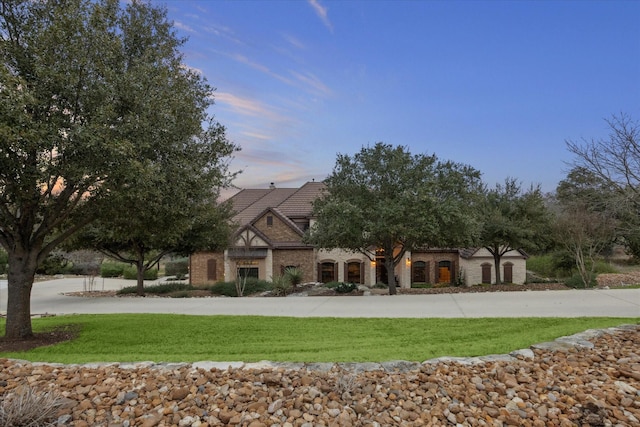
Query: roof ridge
x,y
292,194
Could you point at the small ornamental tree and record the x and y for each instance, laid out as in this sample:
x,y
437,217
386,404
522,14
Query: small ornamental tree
x,y
587,221
512,219
386,199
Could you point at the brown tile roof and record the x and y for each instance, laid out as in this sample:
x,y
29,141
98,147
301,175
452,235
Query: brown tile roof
x,y
291,202
300,203
249,203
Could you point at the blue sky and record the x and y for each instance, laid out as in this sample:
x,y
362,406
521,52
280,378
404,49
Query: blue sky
x,y
498,85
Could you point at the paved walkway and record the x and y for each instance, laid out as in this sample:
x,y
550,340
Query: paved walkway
x,y
47,298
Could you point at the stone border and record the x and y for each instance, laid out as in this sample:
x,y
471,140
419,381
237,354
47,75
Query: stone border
x,y
565,343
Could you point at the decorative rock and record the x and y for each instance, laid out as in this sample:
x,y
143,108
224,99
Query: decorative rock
x,y
179,393
574,383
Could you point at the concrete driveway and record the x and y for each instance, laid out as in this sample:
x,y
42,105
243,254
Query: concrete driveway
x,y
47,298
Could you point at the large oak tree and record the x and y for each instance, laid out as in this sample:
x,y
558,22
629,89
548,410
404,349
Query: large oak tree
x,y
386,199
90,94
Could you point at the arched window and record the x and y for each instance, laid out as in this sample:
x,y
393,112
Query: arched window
x,y
508,272
353,272
486,273
419,272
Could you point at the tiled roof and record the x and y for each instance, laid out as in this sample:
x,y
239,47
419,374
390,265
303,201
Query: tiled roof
x,y
291,202
300,203
249,203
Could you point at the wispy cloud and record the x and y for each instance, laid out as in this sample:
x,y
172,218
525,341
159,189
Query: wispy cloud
x,y
262,68
293,41
184,27
247,107
321,11
313,83
222,31
256,135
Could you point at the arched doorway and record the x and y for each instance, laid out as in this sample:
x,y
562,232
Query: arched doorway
x,y
444,272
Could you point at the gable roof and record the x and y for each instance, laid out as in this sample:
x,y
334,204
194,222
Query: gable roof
x,y
290,202
300,203
248,204
470,252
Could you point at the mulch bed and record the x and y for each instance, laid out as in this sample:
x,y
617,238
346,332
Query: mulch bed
x,y
40,339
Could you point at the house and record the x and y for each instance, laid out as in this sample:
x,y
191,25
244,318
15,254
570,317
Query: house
x,y
269,239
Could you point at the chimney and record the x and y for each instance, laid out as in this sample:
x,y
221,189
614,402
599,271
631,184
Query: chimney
x,y
272,186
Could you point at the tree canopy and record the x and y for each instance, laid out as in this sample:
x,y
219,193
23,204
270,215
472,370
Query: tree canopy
x,y
513,219
92,96
171,206
605,174
386,199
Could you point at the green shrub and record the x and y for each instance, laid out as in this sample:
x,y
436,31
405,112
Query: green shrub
x,y
345,288
84,269
557,264
294,276
224,288
131,273
332,285
380,285
159,289
112,269
180,294
280,285
178,268
55,263
253,286
421,285
603,267
575,281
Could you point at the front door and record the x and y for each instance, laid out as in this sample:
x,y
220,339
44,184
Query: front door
x,y
444,272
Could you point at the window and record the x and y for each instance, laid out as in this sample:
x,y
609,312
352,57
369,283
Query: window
x,y
248,272
327,272
419,272
211,270
353,272
269,220
486,273
508,273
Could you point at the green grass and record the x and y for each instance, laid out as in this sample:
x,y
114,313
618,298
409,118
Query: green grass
x,y
183,338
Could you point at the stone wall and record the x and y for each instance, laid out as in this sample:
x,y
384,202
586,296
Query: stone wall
x,y
199,266
304,259
278,231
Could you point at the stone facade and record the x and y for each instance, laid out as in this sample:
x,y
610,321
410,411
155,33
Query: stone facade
x,y
206,267
270,238
304,259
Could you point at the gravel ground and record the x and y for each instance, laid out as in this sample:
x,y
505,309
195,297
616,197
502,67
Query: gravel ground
x,y
570,382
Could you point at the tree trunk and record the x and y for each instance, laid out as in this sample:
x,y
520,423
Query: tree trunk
x,y
391,277
140,277
496,263
22,270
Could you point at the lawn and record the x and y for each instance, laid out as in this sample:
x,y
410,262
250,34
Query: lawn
x,y
185,338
